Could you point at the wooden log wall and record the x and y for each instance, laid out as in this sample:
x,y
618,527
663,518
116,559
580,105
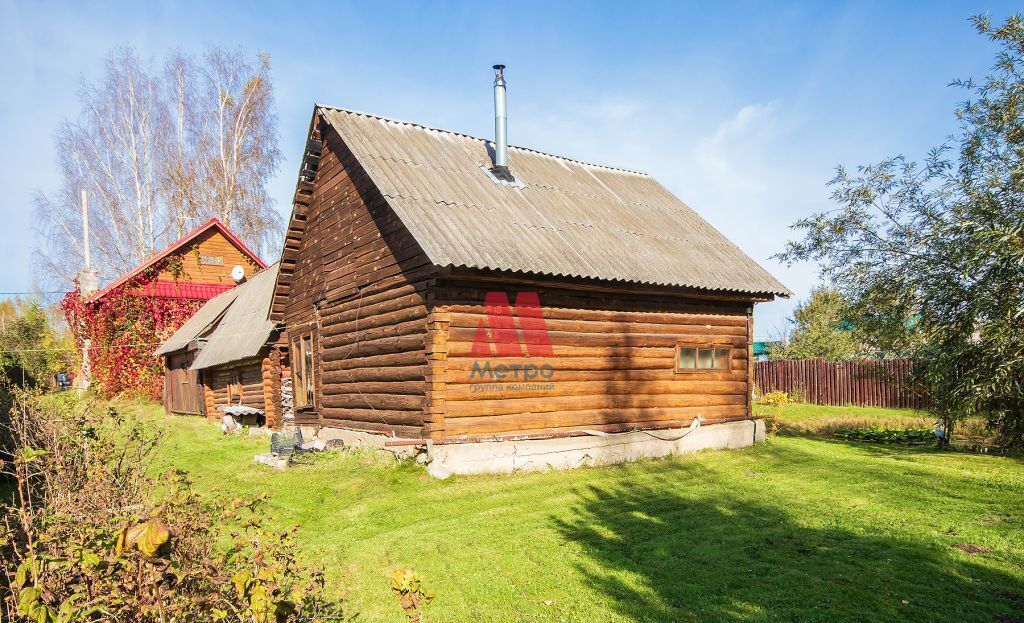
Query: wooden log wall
x,y
209,401
881,383
271,369
438,326
359,284
214,245
614,363
251,374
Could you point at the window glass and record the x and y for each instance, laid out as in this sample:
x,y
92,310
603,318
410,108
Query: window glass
x,y
235,388
721,358
307,371
299,373
698,358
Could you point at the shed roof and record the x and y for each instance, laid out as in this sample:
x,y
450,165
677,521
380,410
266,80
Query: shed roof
x,y
234,323
563,217
199,323
244,329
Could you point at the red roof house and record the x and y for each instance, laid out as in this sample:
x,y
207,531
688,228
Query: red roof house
x,y
123,323
197,266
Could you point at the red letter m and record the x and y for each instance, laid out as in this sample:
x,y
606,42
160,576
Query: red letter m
x,y
500,320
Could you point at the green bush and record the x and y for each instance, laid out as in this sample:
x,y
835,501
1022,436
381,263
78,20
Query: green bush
x,y
776,401
890,435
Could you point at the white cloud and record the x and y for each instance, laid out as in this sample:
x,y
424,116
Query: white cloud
x,y
735,151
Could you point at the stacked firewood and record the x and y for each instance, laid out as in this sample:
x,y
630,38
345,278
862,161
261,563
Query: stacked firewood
x,y
287,403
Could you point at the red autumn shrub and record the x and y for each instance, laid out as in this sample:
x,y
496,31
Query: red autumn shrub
x,y
125,327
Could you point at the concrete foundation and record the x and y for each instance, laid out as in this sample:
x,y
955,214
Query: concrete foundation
x,y
506,457
358,439
568,452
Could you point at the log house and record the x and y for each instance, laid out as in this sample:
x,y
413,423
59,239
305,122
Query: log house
x,y
425,299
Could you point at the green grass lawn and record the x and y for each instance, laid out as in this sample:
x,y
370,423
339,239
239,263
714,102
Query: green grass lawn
x,y
798,529
826,421
800,412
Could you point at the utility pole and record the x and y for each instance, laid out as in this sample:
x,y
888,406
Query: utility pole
x,y
87,286
85,227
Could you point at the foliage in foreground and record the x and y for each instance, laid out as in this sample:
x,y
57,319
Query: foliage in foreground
x,y
30,343
90,536
412,595
931,257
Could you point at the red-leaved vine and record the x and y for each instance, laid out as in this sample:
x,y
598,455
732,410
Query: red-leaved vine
x,y
125,327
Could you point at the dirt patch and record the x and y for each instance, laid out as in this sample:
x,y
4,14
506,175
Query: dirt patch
x,y
970,548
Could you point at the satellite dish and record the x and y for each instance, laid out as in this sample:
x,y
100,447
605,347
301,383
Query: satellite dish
x,y
238,274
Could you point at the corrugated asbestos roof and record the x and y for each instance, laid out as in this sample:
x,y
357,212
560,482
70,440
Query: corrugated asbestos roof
x,y
244,329
199,323
563,218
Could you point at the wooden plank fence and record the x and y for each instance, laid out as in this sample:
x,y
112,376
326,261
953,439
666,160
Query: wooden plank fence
x,y
879,383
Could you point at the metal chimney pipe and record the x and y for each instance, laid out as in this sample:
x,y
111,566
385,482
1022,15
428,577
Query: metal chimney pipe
x,y
500,169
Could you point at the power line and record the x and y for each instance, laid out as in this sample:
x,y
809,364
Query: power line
x,y
133,344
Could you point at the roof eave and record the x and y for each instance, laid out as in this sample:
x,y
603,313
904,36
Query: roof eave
x,y
173,247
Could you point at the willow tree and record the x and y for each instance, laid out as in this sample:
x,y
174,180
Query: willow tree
x,y
930,255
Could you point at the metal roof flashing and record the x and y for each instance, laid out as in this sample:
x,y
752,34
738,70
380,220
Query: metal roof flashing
x,y
515,183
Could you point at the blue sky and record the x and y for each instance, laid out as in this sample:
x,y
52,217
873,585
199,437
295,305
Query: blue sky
x,y
743,110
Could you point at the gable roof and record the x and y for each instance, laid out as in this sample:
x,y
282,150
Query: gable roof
x,y
214,224
562,217
243,329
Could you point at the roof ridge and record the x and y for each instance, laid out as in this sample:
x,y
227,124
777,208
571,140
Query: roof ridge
x,y
484,140
155,256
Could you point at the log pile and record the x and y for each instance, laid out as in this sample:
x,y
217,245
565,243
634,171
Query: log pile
x,y
271,372
287,403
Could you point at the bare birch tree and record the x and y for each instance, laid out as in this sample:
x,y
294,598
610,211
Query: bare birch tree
x,y
111,151
181,183
160,152
237,145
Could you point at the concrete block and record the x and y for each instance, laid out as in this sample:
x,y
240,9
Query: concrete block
x,y
272,460
358,439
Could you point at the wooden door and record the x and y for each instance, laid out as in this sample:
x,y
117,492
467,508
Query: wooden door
x,y
182,391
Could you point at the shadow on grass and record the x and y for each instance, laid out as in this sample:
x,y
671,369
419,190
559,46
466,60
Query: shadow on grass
x,y
897,450
659,555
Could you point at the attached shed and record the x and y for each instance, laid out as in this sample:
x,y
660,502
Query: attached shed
x,y
115,324
512,323
226,355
